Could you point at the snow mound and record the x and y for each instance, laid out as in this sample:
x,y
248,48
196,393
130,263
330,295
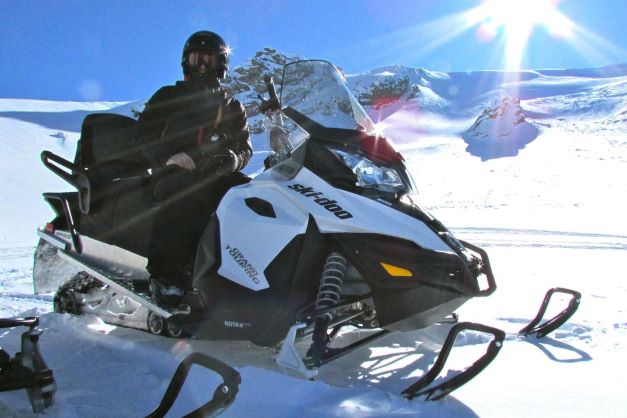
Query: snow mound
x,y
501,130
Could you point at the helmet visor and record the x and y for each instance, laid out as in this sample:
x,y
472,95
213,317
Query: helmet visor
x,y
197,59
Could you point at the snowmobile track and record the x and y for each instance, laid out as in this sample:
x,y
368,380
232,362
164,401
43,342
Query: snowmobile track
x,y
111,279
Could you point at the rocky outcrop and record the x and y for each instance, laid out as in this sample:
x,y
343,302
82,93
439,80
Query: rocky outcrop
x,y
501,130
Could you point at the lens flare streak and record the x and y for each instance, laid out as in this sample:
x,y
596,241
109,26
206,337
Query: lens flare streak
x,y
505,25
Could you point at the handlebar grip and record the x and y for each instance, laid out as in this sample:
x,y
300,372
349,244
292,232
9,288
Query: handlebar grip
x,y
31,321
274,103
270,86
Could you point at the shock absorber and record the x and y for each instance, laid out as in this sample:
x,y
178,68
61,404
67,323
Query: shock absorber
x,y
328,295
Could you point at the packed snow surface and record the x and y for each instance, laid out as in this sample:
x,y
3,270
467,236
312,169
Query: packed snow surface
x,y
549,214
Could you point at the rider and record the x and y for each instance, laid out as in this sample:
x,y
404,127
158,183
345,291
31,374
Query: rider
x,y
197,140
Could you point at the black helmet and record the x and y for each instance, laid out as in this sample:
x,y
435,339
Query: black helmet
x,y
209,43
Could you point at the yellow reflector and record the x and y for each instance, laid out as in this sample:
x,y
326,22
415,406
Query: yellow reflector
x,y
396,271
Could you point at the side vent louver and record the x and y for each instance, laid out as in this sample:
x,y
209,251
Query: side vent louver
x,y
260,207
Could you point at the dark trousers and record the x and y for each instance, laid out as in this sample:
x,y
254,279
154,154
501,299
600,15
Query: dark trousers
x,y
186,202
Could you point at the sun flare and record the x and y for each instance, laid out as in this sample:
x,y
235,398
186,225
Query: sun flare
x,y
515,21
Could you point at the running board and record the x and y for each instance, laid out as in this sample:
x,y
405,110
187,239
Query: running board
x,y
558,320
223,396
113,280
27,370
58,242
434,393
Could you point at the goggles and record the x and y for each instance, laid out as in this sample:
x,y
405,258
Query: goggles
x,y
197,58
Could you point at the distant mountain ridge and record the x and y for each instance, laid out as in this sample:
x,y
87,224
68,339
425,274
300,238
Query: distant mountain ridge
x,y
464,94
597,93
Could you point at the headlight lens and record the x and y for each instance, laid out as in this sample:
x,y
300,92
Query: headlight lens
x,y
371,175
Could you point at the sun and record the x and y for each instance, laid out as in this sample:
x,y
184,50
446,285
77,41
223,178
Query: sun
x,y
515,21
506,28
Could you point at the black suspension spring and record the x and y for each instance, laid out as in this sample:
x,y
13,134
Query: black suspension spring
x,y
328,296
331,282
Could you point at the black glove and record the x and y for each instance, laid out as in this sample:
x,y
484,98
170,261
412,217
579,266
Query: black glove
x,y
224,164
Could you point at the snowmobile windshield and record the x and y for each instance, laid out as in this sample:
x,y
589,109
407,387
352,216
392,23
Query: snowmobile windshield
x,y
318,89
315,97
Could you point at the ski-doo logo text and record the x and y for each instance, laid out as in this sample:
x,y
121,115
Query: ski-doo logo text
x,y
328,204
243,263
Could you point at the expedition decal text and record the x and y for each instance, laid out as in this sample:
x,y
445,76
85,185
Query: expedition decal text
x,y
243,263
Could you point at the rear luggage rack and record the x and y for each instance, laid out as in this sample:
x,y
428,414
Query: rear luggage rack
x,y
61,204
76,177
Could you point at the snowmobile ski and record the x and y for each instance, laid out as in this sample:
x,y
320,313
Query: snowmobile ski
x,y
434,393
290,360
27,370
550,325
223,396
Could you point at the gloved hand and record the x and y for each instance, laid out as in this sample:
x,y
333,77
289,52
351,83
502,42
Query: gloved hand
x,y
224,164
182,160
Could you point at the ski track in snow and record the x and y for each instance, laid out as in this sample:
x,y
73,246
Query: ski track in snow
x,y
14,252
509,237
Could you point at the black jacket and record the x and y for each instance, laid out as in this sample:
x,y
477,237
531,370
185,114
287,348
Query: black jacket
x,y
200,122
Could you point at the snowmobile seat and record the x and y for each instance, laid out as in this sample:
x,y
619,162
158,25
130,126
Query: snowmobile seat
x,y
115,202
123,215
106,151
121,205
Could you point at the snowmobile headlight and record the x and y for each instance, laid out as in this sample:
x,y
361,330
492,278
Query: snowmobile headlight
x,y
369,174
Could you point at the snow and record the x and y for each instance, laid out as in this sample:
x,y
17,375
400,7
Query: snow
x,y
552,214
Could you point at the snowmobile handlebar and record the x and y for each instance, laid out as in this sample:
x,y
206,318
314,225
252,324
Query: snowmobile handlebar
x,y
273,104
274,99
31,322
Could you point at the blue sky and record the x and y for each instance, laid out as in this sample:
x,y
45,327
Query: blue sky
x,y
124,49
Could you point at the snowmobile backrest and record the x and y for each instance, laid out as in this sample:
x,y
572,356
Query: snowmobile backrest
x,y
107,150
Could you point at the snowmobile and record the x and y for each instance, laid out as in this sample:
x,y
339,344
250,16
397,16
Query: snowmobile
x,y
328,236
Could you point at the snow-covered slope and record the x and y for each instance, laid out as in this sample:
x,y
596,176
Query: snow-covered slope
x,y
569,152
27,127
550,214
